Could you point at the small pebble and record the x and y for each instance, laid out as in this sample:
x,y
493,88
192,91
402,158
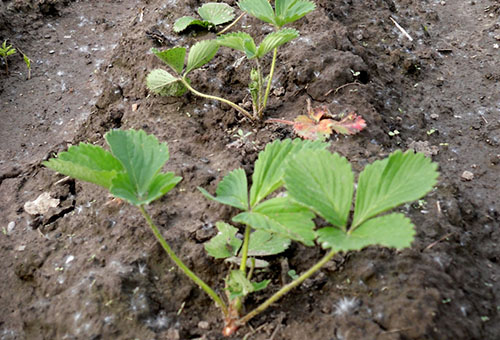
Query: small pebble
x,y
434,116
134,107
11,226
204,325
467,176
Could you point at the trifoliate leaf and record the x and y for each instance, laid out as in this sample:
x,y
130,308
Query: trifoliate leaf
x,y
276,39
163,83
173,57
200,54
224,244
288,11
270,166
238,285
232,190
323,182
184,22
393,231
240,41
216,13
385,184
87,163
282,216
263,243
260,9
142,157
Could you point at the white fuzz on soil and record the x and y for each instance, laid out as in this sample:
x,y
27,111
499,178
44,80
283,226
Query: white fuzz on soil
x,y
346,306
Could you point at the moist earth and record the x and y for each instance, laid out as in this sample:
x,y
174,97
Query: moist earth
x,y
89,268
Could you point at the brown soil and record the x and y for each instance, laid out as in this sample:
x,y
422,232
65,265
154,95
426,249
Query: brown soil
x,y
92,270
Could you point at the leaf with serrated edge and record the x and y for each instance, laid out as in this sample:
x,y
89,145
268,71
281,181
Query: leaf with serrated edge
x,y
87,163
323,182
288,11
270,165
216,13
263,243
224,244
349,125
173,57
393,231
232,190
282,216
240,41
161,82
260,9
398,179
276,39
200,54
184,22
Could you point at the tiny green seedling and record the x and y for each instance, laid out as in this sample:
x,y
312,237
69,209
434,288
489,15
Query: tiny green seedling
x,y
212,13
317,183
27,61
6,51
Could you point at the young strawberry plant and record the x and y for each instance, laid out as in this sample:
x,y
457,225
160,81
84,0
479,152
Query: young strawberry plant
x,y
212,13
318,183
164,83
5,52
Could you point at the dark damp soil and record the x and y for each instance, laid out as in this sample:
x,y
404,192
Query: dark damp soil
x,y
90,268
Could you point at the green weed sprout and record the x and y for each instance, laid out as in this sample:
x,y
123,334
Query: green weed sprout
x,y
27,61
5,51
164,83
212,13
318,183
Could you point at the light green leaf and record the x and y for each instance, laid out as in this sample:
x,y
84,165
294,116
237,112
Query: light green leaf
x,y
393,231
276,39
216,13
200,54
163,83
288,11
173,57
323,182
240,41
224,244
232,190
270,166
184,22
238,285
260,9
142,156
87,163
282,216
385,184
263,243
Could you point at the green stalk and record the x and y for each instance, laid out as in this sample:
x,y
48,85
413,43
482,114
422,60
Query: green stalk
x,y
269,81
232,24
181,264
285,289
244,250
228,102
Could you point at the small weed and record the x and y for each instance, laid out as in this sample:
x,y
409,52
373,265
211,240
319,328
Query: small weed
x,y
6,51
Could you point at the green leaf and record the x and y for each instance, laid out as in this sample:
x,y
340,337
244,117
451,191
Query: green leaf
x,y
288,11
323,182
276,39
224,244
260,9
385,184
232,190
163,83
142,156
282,216
173,57
238,285
263,243
240,41
393,231
200,54
216,13
184,22
270,166
87,163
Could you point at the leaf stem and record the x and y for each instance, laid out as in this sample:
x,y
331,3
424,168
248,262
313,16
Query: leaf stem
x,y
244,250
285,289
228,27
228,102
181,264
269,82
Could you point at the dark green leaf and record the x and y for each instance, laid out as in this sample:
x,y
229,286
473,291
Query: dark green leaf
x,y
184,22
232,190
288,11
263,243
260,9
276,39
173,57
239,41
224,244
200,54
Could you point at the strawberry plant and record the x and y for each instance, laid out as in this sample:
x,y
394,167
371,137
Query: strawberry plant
x,y
212,13
6,51
317,183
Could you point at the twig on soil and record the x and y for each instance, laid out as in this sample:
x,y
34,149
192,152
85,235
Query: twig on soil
x,y
275,332
341,87
398,330
436,242
401,29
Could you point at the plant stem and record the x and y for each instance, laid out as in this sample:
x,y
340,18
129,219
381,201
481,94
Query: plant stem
x,y
232,24
181,264
269,82
244,250
285,289
6,65
228,102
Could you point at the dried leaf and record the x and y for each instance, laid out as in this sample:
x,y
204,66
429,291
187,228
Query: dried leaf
x,y
349,125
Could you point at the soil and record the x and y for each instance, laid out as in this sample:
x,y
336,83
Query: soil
x,y
90,269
